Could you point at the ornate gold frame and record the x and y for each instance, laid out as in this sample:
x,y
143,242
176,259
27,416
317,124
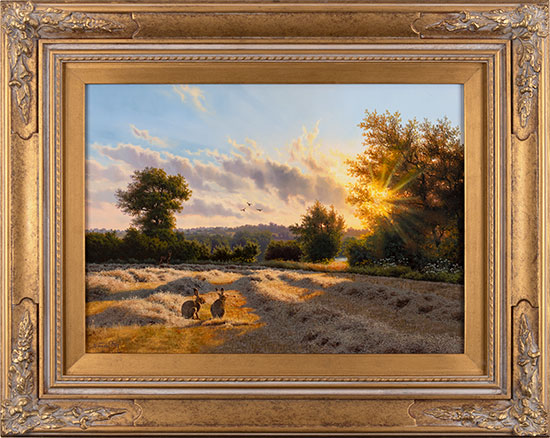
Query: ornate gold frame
x,y
52,49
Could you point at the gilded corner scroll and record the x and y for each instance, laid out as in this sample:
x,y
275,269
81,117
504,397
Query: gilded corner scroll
x,y
528,26
23,412
23,24
525,413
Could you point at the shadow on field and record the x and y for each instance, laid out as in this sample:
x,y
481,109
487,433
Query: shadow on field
x,y
279,311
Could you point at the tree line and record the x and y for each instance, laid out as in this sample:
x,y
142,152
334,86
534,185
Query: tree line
x,y
408,192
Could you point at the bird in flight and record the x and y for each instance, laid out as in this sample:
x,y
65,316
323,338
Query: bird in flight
x,y
249,203
243,209
259,209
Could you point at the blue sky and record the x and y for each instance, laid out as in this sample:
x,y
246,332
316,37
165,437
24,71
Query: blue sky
x,y
279,147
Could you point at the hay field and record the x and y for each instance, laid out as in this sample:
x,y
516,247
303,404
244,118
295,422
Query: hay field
x,y
136,309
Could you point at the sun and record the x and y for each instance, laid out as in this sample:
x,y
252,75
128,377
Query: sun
x,y
381,200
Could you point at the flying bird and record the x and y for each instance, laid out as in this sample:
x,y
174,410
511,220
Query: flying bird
x,y
259,209
243,209
249,203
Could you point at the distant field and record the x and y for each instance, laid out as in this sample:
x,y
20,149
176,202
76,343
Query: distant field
x,y
269,310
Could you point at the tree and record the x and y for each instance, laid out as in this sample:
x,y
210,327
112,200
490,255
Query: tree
x,y
410,177
152,198
320,232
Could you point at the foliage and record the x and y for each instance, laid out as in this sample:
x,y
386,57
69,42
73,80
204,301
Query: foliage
x,y
183,250
211,241
360,252
101,247
384,269
221,253
244,235
410,177
283,250
320,232
140,246
408,273
246,253
152,198
384,244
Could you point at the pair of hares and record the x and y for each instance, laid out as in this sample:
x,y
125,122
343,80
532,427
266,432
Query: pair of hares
x,y
190,309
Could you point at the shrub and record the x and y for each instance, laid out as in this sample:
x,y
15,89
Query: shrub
x,y
135,245
247,253
221,253
245,235
283,250
360,252
189,250
101,247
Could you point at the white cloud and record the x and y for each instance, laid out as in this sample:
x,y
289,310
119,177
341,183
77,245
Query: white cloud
x,y
96,171
305,151
282,185
196,95
198,174
202,207
144,134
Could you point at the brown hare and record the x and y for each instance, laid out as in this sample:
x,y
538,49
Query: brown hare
x,y
190,309
218,306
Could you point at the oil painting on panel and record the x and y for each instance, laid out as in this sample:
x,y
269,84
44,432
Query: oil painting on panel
x,y
275,218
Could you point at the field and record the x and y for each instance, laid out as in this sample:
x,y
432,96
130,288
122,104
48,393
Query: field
x,y
136,309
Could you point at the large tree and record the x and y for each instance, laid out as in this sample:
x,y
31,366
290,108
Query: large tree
x,y
153,197
320,232
410,174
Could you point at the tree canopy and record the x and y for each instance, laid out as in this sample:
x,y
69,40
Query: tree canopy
x,y
410,177
153,197
320,232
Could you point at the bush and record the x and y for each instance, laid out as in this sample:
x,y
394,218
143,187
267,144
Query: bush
x,y
101,247
283,250
247,253
245,235
189,250
360,252
322,248
221,253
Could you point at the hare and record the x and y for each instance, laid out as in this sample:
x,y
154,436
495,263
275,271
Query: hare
x,y
190,309
218,306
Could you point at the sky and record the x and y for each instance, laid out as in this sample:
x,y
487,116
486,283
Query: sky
x,y
279,147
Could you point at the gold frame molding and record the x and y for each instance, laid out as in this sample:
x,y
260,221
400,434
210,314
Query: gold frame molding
x,y
43,40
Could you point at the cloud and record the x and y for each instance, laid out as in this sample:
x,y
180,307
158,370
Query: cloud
x,y
249,150
287,181
303,150
201,207
199,175
144,134
282,185
245,170
96,171
196,95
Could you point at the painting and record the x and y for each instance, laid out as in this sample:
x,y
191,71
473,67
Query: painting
x,y
275,218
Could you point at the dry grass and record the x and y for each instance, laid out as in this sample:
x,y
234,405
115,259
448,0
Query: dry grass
x,y
271,311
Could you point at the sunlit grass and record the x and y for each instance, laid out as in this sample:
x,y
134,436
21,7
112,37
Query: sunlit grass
x,y
200,335
270,310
